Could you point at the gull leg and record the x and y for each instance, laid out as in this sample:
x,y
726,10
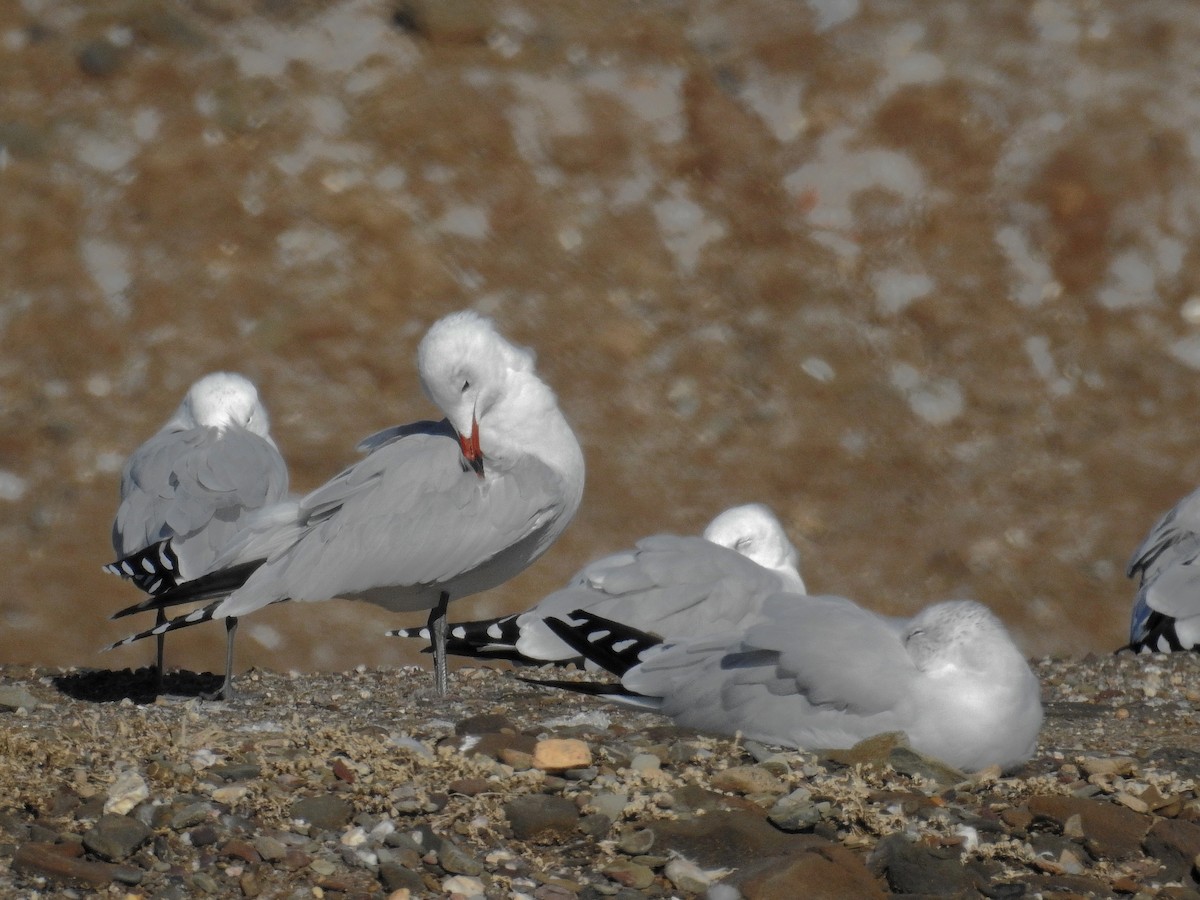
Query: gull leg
x,y
437,636
225,691
159,672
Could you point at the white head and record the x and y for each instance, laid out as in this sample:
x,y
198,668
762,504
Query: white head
x,y
755,532
467,368
959,634
222,400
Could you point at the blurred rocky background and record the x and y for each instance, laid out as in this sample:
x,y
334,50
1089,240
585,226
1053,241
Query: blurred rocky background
x,y
921,276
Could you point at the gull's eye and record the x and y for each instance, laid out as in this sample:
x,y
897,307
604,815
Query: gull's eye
x,y
466,385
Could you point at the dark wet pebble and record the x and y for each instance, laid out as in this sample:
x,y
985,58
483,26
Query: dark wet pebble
x,y
913,869
541,817
114,837
49,861
325,812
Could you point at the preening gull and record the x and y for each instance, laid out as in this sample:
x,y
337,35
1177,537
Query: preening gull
x,y
187,490
674,587
435,511
1166,609
822,672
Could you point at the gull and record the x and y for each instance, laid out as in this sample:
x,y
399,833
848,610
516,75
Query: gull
x,y
1166,608
435,511
821,672
187,490
672,586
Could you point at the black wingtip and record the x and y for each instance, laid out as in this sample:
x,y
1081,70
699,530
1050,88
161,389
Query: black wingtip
x,y
612,646
216,584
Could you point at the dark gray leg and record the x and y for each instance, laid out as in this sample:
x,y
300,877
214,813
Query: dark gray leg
x,y
159,672
225,691
437,636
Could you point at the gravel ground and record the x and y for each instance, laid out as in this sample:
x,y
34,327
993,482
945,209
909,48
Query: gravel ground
x,y
364,784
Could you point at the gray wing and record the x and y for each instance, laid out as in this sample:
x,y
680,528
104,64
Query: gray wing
x,y
195,487
817,672
673,587
835,652
406,522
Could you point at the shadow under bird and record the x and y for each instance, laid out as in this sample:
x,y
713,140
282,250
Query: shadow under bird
x,y
191,487
672,586
435,511
821,672
1166,608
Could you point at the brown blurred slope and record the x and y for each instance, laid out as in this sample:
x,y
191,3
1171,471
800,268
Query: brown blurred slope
x,y
922,284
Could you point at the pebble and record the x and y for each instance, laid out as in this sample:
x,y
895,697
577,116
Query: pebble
x,y
1111,831
797,812
1176,845
635,841
396,877
630,874
462,885
17,696
835,871
644,763
231,794
561,754
748,780
456,861
610,804
270,848
471,787
127,791
325,812
191,814
1110,765
913,869
114,837
48,861
541,818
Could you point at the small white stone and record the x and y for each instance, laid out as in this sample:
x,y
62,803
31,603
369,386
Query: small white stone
x,y
230,794
463,884
127,791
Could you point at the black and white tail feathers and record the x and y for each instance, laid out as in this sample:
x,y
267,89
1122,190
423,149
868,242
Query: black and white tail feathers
x,y
154,569
485,639
195,617
216,584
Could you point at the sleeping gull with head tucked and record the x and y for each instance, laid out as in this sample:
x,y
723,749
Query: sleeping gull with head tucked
x,y
1166,609
675,587
187,490
823,673
435,511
